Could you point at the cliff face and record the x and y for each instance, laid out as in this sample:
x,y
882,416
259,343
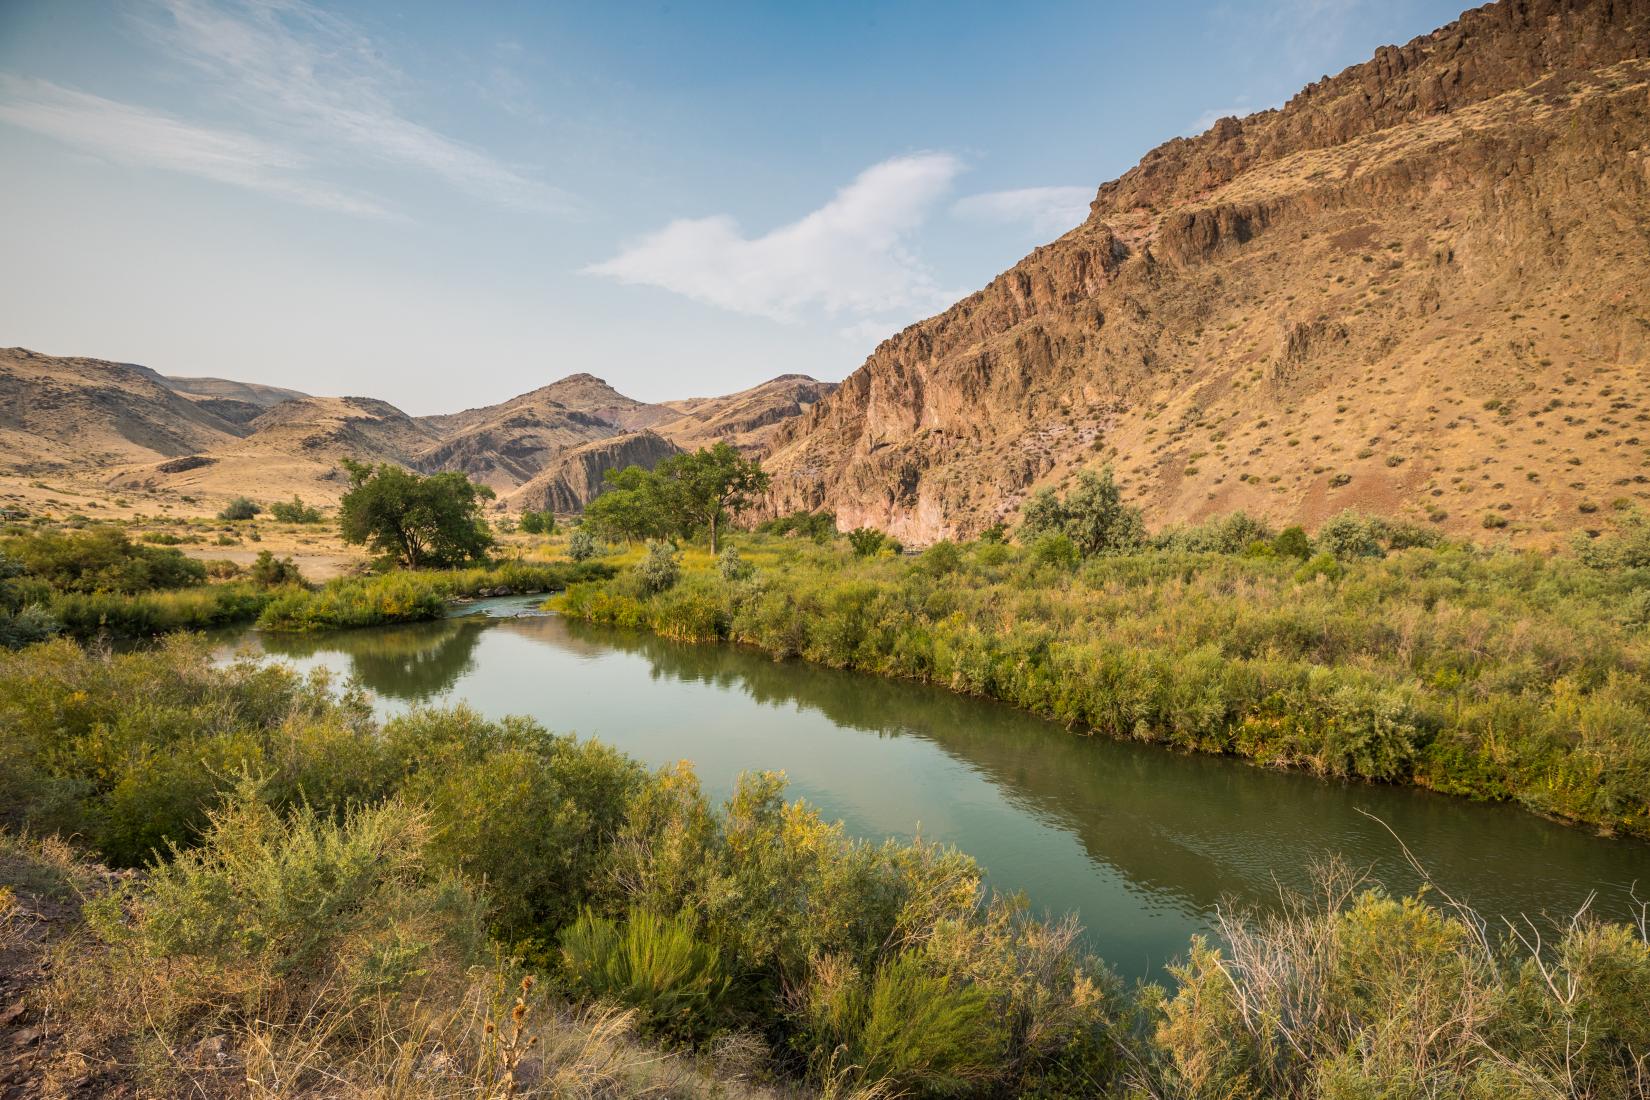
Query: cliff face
x,y
574,478
1417,288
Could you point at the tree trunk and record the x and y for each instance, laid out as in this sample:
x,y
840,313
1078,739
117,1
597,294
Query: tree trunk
x,y
713,533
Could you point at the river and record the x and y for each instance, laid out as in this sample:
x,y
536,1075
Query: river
x,y
1139,842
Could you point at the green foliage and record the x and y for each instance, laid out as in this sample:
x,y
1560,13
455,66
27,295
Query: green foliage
x,y
538,523
309,863
818,526
267,907
432,521
85,615
268,571
1626,547
581,545
660,568
1093,516
1055,548
1232,534
868,542
732,567
651,963
294,511
23,618
101,559
241,508
1499,675
684,494
1291,542
408,596
1353,994
907,1027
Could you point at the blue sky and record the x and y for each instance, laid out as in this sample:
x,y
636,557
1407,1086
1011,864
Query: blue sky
x,y
447,204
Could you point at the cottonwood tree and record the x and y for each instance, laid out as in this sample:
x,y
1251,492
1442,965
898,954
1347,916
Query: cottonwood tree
x,y
681,495
422,521
712,484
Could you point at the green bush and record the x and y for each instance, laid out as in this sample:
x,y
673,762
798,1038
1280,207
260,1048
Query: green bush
x,y
906,1027
289,511
101,559
241,508
581,545
538,523
651,963
732,567
271,572
868,541
660,567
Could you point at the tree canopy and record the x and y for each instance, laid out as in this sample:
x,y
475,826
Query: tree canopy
x,y
684,494
421,521
1093,516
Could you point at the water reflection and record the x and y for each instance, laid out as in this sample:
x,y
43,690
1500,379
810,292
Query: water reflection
x,y
1140,842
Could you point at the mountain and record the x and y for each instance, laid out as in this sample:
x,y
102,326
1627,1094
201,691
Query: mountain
x,y
223,389
1418,288
748,419
133,428
574,477
66,413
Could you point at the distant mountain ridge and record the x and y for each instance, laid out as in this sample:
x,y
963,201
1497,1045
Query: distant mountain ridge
x,y
137,428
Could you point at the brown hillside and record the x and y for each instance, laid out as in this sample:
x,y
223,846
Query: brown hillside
x,y
1417,288
574,478
60,413
747,419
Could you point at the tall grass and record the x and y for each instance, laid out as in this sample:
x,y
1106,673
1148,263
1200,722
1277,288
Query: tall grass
x,y
1499,675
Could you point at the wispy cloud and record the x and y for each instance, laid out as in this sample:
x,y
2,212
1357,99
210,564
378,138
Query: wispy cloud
x,y
849,257
126,134
1041,209
308,73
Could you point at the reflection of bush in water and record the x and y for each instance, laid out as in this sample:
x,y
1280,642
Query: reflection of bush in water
x,y
413,663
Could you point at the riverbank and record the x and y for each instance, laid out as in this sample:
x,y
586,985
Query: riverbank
x,y
330,903
1493,675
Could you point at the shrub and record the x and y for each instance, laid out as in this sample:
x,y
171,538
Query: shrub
x,y
906,1027
660,567
651,963
1093,516
732,567
538,523
941,558
581,546
241,508
101,559
819,526
868,542
1352,534
1055,548
1291,542
292,511
268,571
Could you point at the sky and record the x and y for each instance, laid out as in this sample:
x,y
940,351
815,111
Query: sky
x,y
444,205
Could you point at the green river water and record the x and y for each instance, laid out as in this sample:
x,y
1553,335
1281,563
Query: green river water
x,y
1140,842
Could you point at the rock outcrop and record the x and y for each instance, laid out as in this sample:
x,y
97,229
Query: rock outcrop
x,y
575,477
1419,287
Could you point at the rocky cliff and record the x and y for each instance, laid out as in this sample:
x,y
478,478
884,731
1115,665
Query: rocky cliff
x,y
574,478
1418,288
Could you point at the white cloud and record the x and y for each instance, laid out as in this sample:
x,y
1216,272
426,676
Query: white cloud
x,y
133,135
314,76
849,257
1042,209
